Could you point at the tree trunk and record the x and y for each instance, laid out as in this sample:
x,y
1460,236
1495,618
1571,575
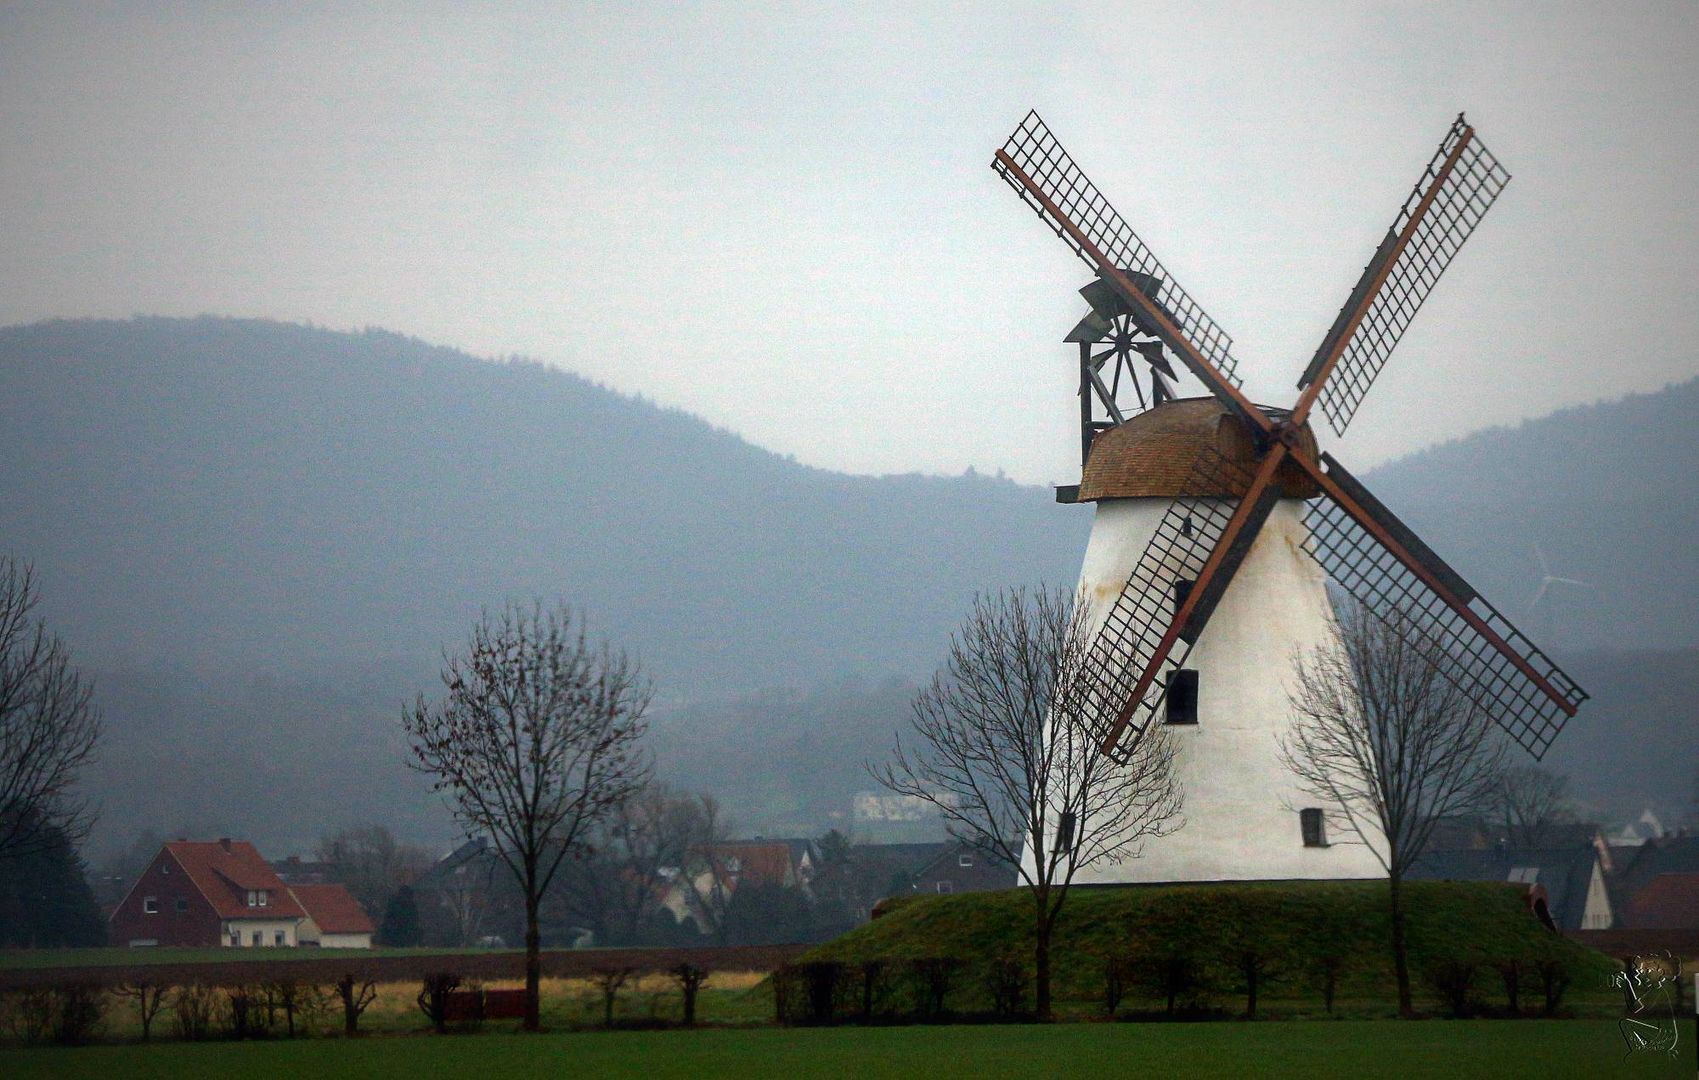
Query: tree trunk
x,y
1042,928
1400,961
533,958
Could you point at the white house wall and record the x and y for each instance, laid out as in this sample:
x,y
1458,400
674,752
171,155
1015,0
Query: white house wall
x,y
1241,801
267,928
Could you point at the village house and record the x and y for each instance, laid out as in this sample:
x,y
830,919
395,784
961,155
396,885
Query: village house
x,y
334,920
221,892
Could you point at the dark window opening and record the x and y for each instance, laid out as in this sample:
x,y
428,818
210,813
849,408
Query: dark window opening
x,y
1182,696
1182,590
182,904
1315,827
1186,526
1065,831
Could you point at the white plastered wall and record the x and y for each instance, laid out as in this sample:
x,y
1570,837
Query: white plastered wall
x,y
1241,801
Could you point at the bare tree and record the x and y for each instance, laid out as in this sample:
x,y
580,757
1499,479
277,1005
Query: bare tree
x,y
1530,801
48,723
536,740
705,876
372,863
642,846
1390,746
1006,744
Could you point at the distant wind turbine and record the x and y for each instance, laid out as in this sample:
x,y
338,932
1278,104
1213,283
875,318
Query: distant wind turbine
x,y
1541,604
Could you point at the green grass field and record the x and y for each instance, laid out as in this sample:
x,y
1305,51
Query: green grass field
x,y
1454,1050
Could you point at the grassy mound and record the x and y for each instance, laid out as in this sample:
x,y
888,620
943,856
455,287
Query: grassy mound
x,y
1295,930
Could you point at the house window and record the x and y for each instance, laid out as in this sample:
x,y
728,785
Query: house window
x,y
277,937
1182,696
1314,826
263,895
946,887
253,901
1065,831
150,905
182,905
235,938
964,859
256,938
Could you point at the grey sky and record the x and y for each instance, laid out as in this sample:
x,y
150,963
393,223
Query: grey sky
x,y
782,217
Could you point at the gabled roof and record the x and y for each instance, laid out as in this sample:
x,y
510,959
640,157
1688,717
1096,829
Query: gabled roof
x,y
1565,873
1667,902
333,908
224,871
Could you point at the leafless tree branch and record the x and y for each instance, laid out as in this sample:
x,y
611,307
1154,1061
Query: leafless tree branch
x,y
537,739
1004,743
49,725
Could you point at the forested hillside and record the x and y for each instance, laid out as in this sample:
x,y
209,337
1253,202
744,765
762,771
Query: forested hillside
x,y
260,536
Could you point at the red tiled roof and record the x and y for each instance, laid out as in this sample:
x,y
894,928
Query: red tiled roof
x,y
225,870
334,908
766,862
1667,902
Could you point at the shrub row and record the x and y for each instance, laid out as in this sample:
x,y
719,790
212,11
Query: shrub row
x,y
75,1013
923,989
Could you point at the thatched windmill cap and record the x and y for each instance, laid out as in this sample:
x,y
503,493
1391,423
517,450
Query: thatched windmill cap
x,y
1152,454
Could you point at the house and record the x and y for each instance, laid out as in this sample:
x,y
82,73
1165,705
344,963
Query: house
x,y
1657,885
205,893
334,919
787,863
961,867
1572,877
467,898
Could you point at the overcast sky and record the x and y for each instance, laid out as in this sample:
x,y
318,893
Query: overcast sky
x,y
782,217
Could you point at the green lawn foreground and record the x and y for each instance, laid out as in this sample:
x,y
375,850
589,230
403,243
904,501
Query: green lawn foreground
x,y
1321,1049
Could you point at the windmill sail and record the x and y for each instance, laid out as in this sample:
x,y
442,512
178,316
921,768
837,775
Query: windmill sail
x,y
1046,178
1453,195
1471,644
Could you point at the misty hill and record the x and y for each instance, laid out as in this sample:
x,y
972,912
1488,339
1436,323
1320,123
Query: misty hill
x,y
260,535
238,496
1609,492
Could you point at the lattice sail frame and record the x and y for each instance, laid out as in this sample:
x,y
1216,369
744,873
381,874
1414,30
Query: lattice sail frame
x,y
1466,192
1187,534
1458,187
1041,157
1390,591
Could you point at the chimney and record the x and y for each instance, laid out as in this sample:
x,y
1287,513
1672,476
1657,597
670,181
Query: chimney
x,y
224,842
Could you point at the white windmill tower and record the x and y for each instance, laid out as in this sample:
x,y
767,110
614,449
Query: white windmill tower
x,y
1219,526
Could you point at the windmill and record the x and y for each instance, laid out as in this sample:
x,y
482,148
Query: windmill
x,y
1541,603
1217,513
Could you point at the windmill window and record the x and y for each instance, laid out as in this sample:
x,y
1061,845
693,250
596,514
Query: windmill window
x,y
1182,590
150,905
964,859
1182,696
1314,825
946,887
182,905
